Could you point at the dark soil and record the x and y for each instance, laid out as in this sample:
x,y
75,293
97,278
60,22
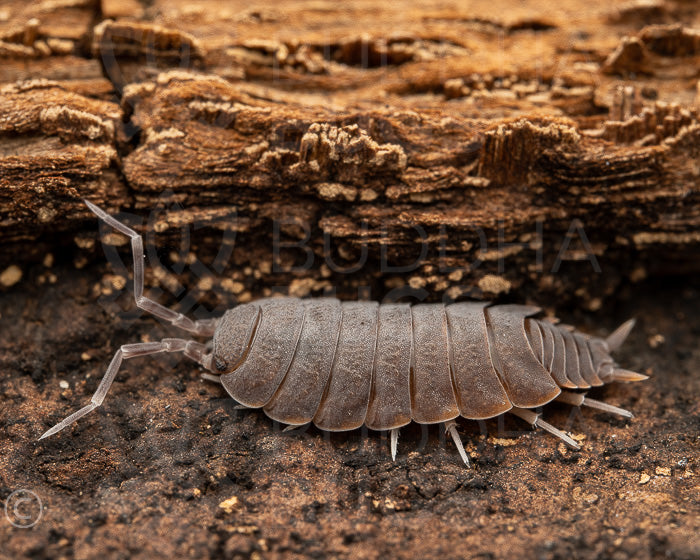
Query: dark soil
x,y
168,468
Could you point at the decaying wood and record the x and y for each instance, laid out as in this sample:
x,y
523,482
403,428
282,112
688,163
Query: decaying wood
x,y
469,169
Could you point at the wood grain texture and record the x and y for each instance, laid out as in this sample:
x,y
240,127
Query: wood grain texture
x,y
474,168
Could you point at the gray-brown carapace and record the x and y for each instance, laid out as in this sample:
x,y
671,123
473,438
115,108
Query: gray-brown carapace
x,y
342,365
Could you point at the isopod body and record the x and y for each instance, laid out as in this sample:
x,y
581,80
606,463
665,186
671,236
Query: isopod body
x,y
342,365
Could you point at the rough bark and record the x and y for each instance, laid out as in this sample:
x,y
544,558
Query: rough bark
x,y
462,163
538,152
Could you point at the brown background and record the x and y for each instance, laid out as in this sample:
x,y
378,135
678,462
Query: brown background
x,y
532,152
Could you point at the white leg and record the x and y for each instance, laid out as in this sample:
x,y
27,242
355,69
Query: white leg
x,y
202,328
394,442
451,428
578,399
190,348
533,418
605,407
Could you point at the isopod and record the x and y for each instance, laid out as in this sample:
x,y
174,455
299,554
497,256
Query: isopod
x,y
342,365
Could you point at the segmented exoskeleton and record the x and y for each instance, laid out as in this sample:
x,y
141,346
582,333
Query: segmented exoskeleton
x,y
342,365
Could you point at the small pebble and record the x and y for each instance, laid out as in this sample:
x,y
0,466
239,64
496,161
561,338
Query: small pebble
x,y
205,284
656,340
494,284
591,498
229,505
63,384
10,276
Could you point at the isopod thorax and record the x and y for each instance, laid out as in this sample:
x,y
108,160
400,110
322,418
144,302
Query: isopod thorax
x,y
342,365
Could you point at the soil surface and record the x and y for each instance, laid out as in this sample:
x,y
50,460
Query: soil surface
x,y
167,467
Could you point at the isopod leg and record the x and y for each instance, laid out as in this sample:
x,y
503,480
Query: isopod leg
x,y
531,417
605,407
190,348
578,399
394,442
557,432
202,328
451,428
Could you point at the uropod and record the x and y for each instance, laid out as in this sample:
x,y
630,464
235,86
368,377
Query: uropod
x,y
342,365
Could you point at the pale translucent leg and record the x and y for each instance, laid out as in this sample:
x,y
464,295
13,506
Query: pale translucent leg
x,y
533,418
194,350
578,399
202,328
605,407
451,428
394,442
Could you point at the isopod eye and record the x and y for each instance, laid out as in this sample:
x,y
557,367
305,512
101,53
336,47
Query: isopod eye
x,y
219,364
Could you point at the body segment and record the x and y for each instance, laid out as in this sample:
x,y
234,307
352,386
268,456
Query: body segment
x,y
390,396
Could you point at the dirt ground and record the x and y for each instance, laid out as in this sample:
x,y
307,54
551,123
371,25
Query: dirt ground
x,y
168,468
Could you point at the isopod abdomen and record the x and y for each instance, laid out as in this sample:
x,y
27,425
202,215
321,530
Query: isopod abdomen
x,y
342,365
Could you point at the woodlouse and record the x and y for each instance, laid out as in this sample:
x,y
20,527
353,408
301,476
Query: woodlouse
x,y
342,365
